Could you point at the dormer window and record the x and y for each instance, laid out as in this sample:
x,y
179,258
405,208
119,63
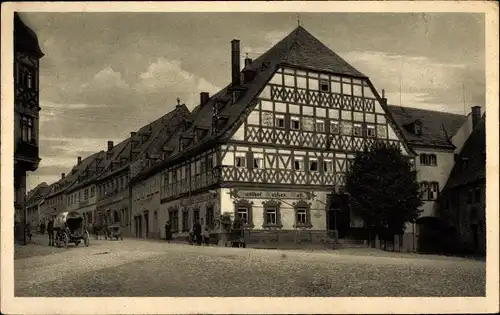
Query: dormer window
x,y
418,127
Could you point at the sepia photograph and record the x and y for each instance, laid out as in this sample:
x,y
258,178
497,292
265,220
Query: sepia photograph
x,y
243,153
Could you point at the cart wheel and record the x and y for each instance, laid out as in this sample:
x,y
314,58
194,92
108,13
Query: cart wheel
x,y
65,240
86,239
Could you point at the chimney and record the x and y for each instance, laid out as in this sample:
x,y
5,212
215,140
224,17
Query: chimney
x,y
248,61
110,146
235,62
79,160
204,97
63,175
384,100
476,115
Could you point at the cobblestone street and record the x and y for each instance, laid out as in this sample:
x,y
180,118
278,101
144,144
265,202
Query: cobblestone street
x,y
148,268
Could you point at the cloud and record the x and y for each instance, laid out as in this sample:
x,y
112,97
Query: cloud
x,y
168,77
107,78
423,81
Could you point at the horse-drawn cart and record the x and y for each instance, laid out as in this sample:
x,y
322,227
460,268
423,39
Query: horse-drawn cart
x,y
69,227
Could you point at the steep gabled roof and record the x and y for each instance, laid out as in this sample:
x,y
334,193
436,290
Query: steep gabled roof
x,y
437,127
63,184
25,38
473,155
299,49
154,131
37,194
93,168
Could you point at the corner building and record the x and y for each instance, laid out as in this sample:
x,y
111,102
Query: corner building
x,y
273,146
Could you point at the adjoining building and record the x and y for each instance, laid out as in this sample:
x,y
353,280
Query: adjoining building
x,y
463,206
27,55
436,137
274,145
34,204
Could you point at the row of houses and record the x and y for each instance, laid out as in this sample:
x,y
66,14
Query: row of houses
x,y
273,148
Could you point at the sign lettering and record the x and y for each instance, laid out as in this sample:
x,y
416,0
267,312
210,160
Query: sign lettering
x,y
271,194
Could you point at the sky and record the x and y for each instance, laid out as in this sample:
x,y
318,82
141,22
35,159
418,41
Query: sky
x,y
107,74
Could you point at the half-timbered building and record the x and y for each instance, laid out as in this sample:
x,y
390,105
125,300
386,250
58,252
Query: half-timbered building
x,y
274,145
27,54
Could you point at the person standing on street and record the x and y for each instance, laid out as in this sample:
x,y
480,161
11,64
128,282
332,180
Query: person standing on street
x,y
50,231
168,232
197,232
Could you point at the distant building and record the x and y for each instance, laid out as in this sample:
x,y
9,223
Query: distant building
x,y
34,204
273,146
27,54
463,201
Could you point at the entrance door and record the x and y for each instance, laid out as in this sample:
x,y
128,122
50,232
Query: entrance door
x,y
339,214
146,222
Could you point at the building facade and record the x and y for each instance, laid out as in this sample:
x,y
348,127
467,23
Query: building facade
x,y
463,206
435,137
27,55
35,200
274,145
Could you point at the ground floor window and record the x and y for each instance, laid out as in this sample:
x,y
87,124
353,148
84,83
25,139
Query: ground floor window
x,y
185,221
209,216
302,214
173,217
243,210
271,214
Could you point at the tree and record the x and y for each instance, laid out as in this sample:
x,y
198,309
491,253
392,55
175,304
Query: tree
x,y
383,188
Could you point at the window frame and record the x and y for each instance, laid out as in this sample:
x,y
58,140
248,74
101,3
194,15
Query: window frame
x,y
317,123
324,83
301,164
328,162
247,206
431,196
271,207
239,159
334,127
299,208
281,119
311,161
294,120
370,127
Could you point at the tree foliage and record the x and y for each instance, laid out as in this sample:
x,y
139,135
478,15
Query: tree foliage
x,y
383,188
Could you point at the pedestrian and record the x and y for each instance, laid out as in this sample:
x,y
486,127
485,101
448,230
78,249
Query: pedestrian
x,y
50,231
206,236
42,227
197,232
28,229
168,231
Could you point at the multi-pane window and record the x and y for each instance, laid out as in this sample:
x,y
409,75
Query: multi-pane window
x,y
334,127
320,126
295,123
433,190
27,128
346,128
424,190
428,159
324,85
381,131
258,162
86,194
185,221
173,216
298,164
210,163
370,131
242,213
280,121
357,130
328,166
313,165
301,216
209,216
239,161
271,215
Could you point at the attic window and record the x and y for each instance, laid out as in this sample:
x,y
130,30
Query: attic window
x,y
418,127
324,86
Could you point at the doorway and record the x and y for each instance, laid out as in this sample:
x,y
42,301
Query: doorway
x,y
339,214
146,222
